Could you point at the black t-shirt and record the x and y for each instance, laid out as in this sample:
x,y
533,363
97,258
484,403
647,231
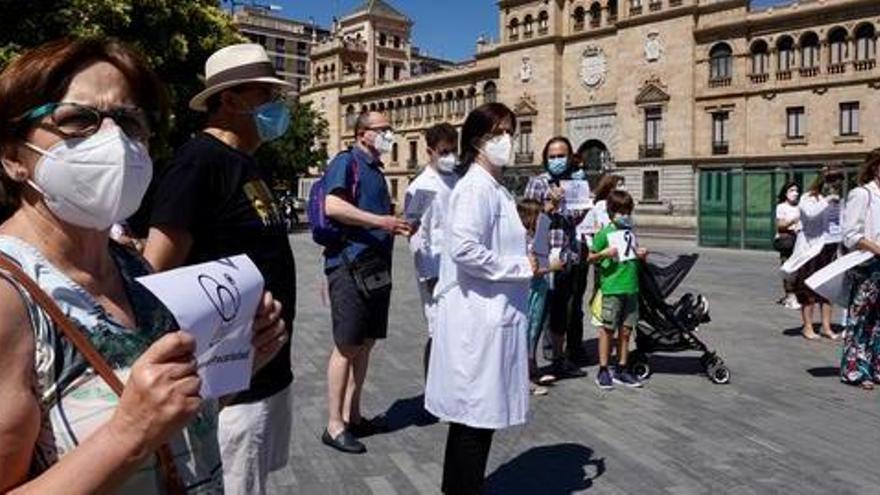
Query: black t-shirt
x,y
219,196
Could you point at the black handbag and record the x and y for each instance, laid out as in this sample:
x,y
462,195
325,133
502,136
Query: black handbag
x,y
371,273
784,243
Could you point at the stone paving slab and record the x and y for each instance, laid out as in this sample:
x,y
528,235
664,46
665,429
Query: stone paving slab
x,y
784,425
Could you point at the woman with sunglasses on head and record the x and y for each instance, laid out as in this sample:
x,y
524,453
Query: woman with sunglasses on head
x,y
860,364
478,371
816,246
76,117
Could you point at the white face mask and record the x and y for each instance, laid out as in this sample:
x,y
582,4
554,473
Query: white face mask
x,y
497,150
447,163
93,182
384,142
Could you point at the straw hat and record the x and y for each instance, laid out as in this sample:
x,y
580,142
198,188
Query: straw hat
x,y
235,65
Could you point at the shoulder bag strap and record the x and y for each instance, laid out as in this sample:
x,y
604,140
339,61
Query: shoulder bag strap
x,y
173,483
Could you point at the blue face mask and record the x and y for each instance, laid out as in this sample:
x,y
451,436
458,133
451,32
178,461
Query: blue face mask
x,y
557,166
623,221
579,174
272,120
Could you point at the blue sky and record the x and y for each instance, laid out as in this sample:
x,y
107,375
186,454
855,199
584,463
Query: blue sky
x,y
445,28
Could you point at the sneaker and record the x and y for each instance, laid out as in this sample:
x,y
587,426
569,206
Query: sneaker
x,y
625,378
603,379
791,302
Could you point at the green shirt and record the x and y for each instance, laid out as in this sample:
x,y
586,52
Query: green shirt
x,y
617,278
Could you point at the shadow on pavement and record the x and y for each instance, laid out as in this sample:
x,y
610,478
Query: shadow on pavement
x,y
408,412
675,365
553,469
796,331
824,371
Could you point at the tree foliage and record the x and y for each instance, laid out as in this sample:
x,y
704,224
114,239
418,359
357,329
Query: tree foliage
x,y
176,36
293,154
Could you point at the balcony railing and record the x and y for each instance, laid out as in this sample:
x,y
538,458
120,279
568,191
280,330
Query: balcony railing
x,y
720,148
809,71
783,75
612,18
594,23
720,82
513,37
655,6
524,157
578,25
675,3
412,164
635,10
654,150
838,68
759,78
866,64
542,31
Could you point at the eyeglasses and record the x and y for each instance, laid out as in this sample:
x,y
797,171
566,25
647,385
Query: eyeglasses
x,y
73,120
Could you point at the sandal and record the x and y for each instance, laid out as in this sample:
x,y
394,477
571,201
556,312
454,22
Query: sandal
x,y
810,336
546,379
537,390
831,336
867,385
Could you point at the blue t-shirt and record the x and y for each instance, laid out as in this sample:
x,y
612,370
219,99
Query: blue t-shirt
x,y
372,196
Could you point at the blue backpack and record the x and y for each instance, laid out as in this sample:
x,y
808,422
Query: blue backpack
x,y
325,231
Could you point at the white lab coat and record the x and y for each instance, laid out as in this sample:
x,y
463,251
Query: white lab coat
x,y
427,243
814,234
862,218
478,373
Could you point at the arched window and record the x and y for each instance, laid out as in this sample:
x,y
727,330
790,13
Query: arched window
x,y
373,107
450,103
579,17
720,62
528,24
438,106
760,58
383,39
408,110
866,42
490,92
471,100
612,10
513,29
429,107
543,22
595,14
809,50
399,113
837,46
459,102
350,117
332,72
785,53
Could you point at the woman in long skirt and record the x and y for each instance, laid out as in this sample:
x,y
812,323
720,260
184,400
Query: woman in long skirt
x,y
860,364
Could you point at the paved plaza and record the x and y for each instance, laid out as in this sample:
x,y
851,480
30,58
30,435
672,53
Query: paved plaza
x,y
784,425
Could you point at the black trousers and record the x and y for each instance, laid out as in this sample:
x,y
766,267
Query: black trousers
x,y
574,334
464,466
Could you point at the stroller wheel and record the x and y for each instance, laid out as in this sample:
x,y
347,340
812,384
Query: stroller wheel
x,y
719,374
642,370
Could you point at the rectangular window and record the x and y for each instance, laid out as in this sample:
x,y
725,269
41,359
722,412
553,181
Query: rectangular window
x,y
279,63
301,67
524,141
382,70
849,118
720,132
796,123
653,128
394,154
651,185
394,190
413,154
302,49
279,45
396,72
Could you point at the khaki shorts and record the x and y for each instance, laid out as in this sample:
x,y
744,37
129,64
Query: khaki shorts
x,y
620,310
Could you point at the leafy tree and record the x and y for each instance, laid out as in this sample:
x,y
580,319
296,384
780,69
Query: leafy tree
x,y
294,153
176,36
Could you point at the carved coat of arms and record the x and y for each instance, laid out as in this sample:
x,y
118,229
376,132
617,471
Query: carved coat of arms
x,y
594,67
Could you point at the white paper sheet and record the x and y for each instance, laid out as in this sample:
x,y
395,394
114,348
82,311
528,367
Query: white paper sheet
x,y
418,205
541,242
829,282
626,243
835,232
216,303
577,195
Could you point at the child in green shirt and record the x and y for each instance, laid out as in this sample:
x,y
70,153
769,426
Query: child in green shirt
x,y
620,292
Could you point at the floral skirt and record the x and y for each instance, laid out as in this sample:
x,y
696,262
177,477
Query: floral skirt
x,y
861,345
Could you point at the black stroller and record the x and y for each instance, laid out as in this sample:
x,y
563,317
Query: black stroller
x,y
671,328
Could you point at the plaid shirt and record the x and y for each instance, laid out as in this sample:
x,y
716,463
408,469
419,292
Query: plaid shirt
x,y
562,225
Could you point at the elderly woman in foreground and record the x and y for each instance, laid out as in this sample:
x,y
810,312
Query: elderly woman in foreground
x,y
76,117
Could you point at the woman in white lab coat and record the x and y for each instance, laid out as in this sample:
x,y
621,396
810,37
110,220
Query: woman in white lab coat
x,y
860,363
816,246
478,372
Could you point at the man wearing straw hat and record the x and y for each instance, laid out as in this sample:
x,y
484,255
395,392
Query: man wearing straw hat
x,y
213,202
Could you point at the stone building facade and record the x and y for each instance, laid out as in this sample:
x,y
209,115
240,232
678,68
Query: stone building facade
x,y
665,92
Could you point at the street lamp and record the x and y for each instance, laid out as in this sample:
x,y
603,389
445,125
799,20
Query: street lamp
x,y
268,7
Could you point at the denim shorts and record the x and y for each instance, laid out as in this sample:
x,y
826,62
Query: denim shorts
x,y
620,310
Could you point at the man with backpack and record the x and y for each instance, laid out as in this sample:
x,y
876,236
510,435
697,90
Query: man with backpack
x,y
358,269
